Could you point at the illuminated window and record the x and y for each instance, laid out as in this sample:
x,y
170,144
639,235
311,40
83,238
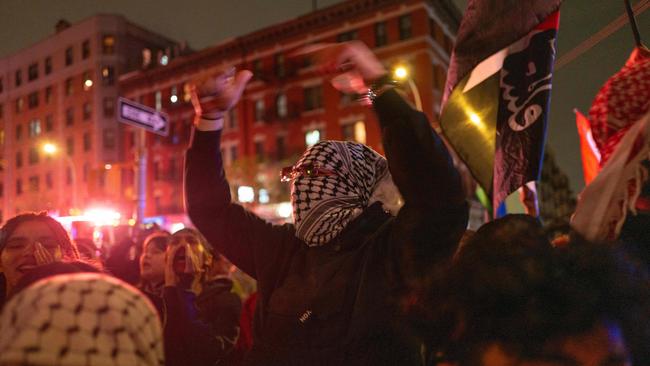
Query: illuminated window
x,y
146,58
281,105
35,127
108,75
354,132
312,137
108,45
187,92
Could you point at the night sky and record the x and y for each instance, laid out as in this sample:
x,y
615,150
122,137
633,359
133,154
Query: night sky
x,y
206,22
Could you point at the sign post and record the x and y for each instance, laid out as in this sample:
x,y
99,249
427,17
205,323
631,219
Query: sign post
x,y
147,119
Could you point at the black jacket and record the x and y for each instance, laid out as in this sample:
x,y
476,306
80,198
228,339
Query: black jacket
x,y
203,330
337,304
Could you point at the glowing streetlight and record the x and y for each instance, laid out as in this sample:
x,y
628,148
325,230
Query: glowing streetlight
x,y
51,149
401,72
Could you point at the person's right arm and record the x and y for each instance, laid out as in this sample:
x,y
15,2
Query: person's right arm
x,y
245,239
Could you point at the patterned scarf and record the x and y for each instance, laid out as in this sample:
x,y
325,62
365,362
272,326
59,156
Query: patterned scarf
x,y
324,205
82,319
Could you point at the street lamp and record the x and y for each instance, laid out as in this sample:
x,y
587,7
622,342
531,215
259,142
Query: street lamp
x,y
51,149
401,72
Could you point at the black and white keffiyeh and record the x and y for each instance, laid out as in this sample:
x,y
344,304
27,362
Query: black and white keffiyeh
x,y
82,319
324,205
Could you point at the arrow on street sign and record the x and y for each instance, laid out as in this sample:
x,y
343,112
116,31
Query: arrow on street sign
x,y
138,115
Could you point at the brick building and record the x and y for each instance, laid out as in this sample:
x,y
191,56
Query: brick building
x,y
288,105
62,91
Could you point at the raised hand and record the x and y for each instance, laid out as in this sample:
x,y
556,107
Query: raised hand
x,y
213,96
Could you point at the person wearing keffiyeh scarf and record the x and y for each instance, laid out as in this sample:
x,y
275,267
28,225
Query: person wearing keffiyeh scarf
x,y
81,319
365,227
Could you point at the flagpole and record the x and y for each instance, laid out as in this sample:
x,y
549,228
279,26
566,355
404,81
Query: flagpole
x,y
635,28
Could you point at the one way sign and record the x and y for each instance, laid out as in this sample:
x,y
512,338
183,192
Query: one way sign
x,y
136,114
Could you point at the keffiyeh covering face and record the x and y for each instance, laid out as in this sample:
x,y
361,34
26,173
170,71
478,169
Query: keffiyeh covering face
x,y
87,319
324,205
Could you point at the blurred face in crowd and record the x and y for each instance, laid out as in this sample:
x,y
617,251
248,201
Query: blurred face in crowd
x,y
32,243
152,260
603,345
197,259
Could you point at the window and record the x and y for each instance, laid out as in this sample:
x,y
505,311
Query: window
x,y
87,111
19,187
19,159
404,26
187,92
87,80
108,138
108,75
33,156
48,65
69,116
109,107
48,95
146,58
2,111
354,132
157,96
233,153
259,149
312,137
347,36
20,103
32,72
33,183
19,77
35,127
69,146
257,68
281,105
108,45
69,56
49,123
259,110
85,49
280,70
69,88
381,37
313,97
1,85
280,147
232,119
19,132
32,100
87,141
49,182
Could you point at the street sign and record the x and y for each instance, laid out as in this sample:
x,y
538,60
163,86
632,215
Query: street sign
x,y
138,115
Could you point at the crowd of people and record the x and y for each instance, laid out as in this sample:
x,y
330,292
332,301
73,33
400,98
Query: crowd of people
x,y
376,269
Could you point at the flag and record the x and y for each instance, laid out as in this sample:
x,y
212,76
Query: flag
x,y
496,99
588,148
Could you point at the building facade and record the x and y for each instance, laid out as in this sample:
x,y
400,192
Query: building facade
x,y
288,106
59,134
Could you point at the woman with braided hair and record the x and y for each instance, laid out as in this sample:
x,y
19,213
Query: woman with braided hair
x,y
329,283
30,240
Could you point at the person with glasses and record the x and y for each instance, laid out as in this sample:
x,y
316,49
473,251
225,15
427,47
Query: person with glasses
x,y
365,226
30,240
